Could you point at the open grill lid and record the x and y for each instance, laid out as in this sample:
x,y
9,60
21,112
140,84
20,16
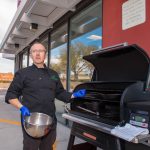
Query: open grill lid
x,y
120,64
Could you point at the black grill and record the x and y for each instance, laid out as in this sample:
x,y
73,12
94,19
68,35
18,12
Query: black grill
x,y
101,101
120,80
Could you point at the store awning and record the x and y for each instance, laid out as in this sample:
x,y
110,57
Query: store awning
x,y
32,18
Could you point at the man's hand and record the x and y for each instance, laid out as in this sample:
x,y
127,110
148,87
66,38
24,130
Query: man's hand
x,y
79,93
24,111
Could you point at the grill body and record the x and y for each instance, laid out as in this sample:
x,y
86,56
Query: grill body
x,y
118,89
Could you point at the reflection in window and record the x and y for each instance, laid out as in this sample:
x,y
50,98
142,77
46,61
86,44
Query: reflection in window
x,y
58,62
58,56
30,61
45,43
24,59
86,36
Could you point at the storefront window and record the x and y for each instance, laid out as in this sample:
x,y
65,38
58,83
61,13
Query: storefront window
x,y
85,36
30,61
24,59
45,43
58,62
58,54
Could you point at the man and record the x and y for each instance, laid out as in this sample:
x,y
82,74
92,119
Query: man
x,y
38,86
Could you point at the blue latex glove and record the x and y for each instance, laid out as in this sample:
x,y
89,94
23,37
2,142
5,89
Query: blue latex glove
x,y
79,93
24,111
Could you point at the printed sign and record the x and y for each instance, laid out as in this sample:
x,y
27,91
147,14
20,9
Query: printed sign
x,y
133,13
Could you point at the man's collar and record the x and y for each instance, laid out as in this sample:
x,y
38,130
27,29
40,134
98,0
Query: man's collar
x,y
34,66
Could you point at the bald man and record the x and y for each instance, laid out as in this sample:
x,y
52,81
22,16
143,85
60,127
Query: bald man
x,y
38,87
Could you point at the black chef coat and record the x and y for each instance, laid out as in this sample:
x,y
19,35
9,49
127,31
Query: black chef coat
x,y
38,88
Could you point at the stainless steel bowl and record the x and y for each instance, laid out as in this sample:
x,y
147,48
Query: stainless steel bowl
x,y
37,124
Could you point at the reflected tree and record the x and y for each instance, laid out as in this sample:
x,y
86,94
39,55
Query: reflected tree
x,y
77,63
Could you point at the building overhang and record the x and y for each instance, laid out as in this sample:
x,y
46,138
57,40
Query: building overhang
x,y
43,13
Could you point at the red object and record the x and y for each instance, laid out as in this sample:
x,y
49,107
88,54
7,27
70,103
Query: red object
x,y
89,136
112,27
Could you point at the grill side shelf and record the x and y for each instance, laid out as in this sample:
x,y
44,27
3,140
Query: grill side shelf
x,y
88,122
143,139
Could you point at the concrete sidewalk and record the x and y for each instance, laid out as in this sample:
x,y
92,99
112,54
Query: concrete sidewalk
x,y
11,134
10,129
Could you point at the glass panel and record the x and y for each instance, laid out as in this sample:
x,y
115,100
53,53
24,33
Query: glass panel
x,y
24,59
58,55
85,36
58,62
30,61
45,43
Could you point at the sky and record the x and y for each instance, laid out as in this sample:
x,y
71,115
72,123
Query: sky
x,y
7,11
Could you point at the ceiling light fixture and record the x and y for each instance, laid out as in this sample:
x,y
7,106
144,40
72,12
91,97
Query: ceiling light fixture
x,y
33,26
16,45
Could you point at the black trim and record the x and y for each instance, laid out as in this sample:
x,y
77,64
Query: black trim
x,y
49,49
28,55
68,58
102,21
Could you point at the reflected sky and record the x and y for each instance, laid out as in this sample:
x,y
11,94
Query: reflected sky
x,y
93,38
